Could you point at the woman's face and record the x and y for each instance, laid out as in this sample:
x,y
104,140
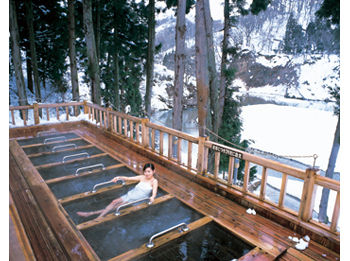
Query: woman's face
x,y
148,172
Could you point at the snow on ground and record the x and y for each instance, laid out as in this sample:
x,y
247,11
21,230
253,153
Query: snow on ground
x,y
291,131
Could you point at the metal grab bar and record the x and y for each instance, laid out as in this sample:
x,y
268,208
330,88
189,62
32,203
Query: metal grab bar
x,y
91,166
117,213
63,146
150,243
74,155
56,138
105,183
45,132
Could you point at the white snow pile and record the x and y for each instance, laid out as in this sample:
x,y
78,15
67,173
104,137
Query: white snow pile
x,y
302,243
251,211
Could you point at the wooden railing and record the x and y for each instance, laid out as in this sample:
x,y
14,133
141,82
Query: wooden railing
x,y
144,134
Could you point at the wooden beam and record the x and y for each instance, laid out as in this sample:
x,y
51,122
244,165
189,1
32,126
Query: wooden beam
x,y
125,212
67,162
72,176
90,193
158,242
74,244
257,254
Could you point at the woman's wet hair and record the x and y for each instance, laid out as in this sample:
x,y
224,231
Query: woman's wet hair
x,y
149,165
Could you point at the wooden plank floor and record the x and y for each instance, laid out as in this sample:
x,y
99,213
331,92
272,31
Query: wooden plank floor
x,y
269,238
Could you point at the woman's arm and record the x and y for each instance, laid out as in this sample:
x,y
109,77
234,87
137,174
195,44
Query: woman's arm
x,y
136,178
154,191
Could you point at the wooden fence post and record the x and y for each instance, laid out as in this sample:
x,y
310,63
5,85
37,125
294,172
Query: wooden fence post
x,y
36,113
202,155
308,196
86,108
145,133
109,119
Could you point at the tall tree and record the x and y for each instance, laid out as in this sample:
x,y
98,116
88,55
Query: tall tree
x,y
93,64
202,75
331,9
180,57
116,53
150,55
29,15
16,54
72,51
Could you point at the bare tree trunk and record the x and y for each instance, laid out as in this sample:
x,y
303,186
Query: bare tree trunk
x,y
29,72
213,80
72,52
16,54
180,57
202,77
29,16
150,56
322,215
224,61
116,57
93,66
97,29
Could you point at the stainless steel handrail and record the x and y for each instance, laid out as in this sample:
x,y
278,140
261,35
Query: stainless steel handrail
x,y
74,155
45,132
91,166
117,213
56,138
105,183
150,243
63,146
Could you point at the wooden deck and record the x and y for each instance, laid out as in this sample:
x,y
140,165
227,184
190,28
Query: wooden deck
x,y
38,230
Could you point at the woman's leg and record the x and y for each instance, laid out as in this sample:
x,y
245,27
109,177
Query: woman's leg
x,y
114,204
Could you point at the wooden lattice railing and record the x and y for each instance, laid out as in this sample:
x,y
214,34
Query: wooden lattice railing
x,y
153,137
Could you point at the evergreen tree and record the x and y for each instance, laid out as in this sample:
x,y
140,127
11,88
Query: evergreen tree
x,y
294,37
16,55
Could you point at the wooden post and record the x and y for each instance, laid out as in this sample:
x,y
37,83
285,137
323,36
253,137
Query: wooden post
x,y
201,155
189,155
336,212
179,150
13,117
125,127
161,135
231,167
138,132
48,113
131,130
58,114
144,133
24,117
246,176
120,125
283,190
86,108
308,196
170,146
216,165
36,113
153,139
109,119
263,183
67,113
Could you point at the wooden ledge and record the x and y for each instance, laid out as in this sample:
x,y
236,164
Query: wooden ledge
x,y
125,212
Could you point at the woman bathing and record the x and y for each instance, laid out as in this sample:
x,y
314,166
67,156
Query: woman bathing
x,y
147,185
